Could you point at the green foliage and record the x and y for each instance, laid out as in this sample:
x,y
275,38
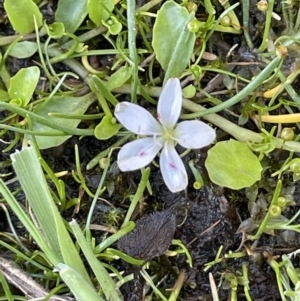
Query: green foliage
x,y
120,77
55,30
81,289
71,13
287,276
59,104
99,10
294,167
23,49
107,284
23,84
172,43
113,25
189,91
51,233
4,96
179,41
232,164
21,15
107,128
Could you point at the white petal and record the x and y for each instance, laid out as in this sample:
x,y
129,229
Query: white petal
x,y
170,103
136,119
194,134
139,153
172,168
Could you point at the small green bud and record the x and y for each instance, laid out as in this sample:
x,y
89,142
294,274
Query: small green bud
x,y
191,6
281,202
275,211
197,185
104,163
197,71
262,5
226,21
287,134
194,25
295,166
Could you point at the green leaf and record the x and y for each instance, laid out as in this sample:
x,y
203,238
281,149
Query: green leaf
x,y
24,218
56,241
120,77
106,128
55,30
4,96
23,84
101,86
64,105
21,15
23,49
107,284
189,91
81,289
172,42
113,25
232,164
99,10
71,13
209,7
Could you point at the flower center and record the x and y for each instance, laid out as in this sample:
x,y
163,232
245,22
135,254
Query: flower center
x,y
168,135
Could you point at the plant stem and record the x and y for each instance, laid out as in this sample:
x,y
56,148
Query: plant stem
x,y
148,6
238,132
245,7
234,130
99,191
132,47
178,285
45,121
265,38
289,89
86,36
104,153
137,196
265,221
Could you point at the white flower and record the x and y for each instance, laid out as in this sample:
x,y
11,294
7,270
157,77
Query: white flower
x,y
162,134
